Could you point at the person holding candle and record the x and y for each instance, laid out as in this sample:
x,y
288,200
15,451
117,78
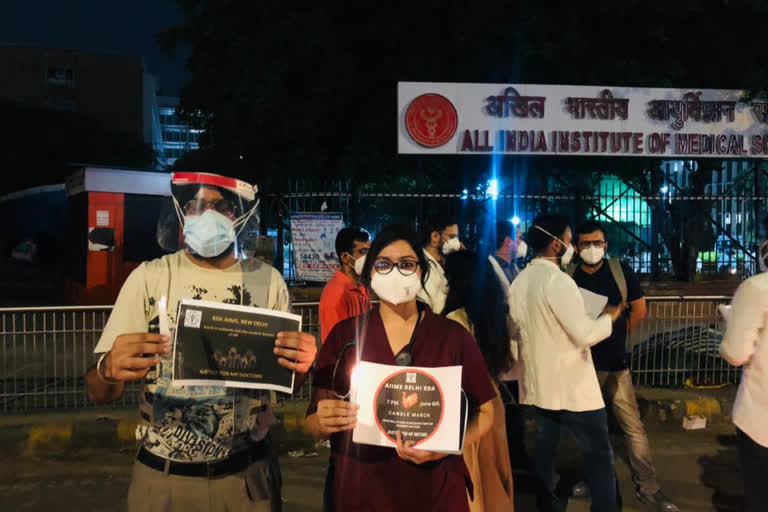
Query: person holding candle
x,y
375,478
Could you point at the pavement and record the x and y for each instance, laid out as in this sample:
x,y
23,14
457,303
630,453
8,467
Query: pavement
x,y
82,461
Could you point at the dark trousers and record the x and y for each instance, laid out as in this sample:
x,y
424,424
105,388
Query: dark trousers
x,y
754,463
590,430
515,416
328,489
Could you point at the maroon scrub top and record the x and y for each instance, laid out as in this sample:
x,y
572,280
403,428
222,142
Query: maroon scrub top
x,y
373,478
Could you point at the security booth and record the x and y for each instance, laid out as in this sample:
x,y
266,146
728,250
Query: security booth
x,y
111,228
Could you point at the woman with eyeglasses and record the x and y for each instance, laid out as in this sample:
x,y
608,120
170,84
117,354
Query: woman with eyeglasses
x,y
398,331
478,302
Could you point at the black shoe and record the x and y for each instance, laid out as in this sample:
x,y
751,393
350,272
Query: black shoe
x,y
580,490
663,504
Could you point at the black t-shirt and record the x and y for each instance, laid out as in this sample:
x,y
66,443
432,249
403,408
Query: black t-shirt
x,y
610,355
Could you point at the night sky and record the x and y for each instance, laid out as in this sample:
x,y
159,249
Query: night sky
x,y
104,26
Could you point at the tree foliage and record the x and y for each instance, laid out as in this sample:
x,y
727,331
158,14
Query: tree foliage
x,y
311,90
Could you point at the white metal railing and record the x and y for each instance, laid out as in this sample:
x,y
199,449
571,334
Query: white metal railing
x,y
45,352
679,343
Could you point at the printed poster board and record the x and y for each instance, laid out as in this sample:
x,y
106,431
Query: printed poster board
x,y
314,245
230,345
424,404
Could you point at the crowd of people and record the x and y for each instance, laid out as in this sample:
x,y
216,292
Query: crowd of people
x,y
515,321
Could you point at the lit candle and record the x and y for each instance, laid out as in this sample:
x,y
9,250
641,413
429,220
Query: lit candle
x,y
162,311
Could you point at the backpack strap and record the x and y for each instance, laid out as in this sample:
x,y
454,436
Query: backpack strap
x,y
614,264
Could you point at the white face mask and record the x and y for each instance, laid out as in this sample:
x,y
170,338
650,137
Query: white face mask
x,y
451,245
394,287
567,256
209,234
592,255
359,263
522,249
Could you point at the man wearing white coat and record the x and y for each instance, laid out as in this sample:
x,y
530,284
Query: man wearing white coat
x,y
746,344
557,376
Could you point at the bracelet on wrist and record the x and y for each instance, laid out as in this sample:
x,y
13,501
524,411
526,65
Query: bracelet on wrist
x,y
102,377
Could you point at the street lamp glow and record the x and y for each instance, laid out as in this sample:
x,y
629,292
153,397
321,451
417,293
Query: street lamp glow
x,y
493,189
515,220
465,194
664,189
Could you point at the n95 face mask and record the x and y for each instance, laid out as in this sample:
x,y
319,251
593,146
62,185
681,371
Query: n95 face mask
x,y
359,264
452,245
396,288
592,255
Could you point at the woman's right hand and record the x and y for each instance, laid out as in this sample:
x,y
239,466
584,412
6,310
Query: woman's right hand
x,y
336,416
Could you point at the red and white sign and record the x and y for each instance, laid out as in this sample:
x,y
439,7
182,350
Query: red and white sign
x,y
431,120
423,404
529,119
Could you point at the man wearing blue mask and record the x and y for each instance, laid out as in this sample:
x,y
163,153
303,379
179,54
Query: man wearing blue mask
x,y
201,447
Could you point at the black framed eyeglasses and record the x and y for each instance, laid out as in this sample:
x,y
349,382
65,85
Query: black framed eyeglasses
x,y
198,206
593,243
405,267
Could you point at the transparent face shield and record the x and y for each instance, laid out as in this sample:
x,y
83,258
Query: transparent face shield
x,y
208,205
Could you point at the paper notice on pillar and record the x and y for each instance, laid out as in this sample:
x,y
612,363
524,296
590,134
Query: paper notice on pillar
x,y
424,404
594,304
227,345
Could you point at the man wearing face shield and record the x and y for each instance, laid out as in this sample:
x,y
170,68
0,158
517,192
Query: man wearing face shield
x,y
617,281
201,447
557,377
441,238
343,296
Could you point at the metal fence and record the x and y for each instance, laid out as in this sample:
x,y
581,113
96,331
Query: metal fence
x,y
45,352
711,217
679,343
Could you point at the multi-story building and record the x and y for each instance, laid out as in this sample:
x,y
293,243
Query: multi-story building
x,y
178,137
114,90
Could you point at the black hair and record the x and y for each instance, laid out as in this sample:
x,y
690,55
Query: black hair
x,y
765,225
387,236
504,229
346,238
474,287
437,223
554,224
587,227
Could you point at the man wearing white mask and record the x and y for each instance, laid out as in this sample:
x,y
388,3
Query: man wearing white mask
x,y
343,296
617,281
557,377
201,447
441,238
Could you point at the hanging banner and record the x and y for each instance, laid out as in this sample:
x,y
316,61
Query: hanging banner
x,y
460,118
314,245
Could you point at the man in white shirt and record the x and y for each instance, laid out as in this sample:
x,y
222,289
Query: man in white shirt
x,y
746,343
557,376
441,238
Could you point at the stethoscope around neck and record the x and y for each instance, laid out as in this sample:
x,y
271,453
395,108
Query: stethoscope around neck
x,y
404,358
